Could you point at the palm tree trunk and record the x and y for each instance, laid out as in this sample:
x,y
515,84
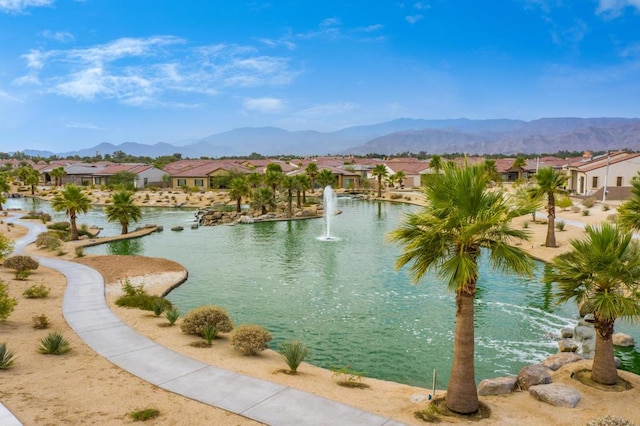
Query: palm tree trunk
x,y
604,369
289,203
239,205
74,228
125,228
462,395
551,222
379,186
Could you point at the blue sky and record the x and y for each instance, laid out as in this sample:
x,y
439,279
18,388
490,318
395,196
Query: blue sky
x,y
74,73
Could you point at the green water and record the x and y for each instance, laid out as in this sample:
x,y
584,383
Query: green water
x,y
345,299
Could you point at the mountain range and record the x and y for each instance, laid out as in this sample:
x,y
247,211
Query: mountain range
x,y
493,136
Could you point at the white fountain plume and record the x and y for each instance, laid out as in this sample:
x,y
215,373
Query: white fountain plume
x,y
329,206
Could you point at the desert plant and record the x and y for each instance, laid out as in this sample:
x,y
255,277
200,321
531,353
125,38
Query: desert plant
x,y
54,344
131,289
21,263
79,251
144,414
293,352
6,246
589,202
48,240
6,357
158,307
196,319
609,420
575,209
585,212
560,225
564,202
209,332
605,208
143,301
349,378
250,339
525,224
7,303
40,321
36,292
22,275
172,315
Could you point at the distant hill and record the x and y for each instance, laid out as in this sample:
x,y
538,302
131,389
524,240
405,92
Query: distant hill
x,y
496,136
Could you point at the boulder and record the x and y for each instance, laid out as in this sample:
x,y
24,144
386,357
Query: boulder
x,y
246,219
584,332
588,348
556,361
567,345
497,386
532,375
177,228
556,394
566,333
624,340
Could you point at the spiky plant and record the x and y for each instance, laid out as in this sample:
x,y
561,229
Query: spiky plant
x,y
54,344
293,352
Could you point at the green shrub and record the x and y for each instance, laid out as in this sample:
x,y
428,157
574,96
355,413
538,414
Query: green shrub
x,y
7,303
196,319
79,251
589,202
142,415
36,292
560,225
585,212
250,339
525,224
40,321
564,202
6,357
395,196
60,226
209,332
172,315
605,208
158,307
6,246
349,378
22,275
48,240
21,263
144,301
54,344
293,352
130,289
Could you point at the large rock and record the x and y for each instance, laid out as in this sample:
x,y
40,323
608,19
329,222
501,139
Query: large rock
x,y
566,333
556,361
567,345
584,332
497,386
532,375
624,340
588,348
556,394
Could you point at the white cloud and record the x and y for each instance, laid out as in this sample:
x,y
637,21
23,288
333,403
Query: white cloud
x,y
17,6
267,105
371,28
615,8
421,5
61,36
327,110
78,125
6,96
412,19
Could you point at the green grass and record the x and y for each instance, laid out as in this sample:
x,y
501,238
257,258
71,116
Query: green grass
x,y
144,414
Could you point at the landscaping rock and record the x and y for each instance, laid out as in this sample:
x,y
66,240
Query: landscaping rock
x,y
584,332
556,394
556,361
247,219
177,228
532,375
588,348
567,345
624,340
497,386
566,333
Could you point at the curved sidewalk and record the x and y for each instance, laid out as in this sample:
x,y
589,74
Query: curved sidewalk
x,y
85,309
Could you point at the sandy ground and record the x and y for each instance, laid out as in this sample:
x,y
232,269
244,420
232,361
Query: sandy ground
x,y
81,387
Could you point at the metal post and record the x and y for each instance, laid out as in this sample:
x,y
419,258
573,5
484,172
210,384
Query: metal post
x,y
606,177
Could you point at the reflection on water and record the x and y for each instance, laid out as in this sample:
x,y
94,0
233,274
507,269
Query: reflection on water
x,y
126,247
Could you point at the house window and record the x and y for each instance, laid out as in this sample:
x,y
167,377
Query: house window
x,y
619,181
145,181
181,183
594,182
198,182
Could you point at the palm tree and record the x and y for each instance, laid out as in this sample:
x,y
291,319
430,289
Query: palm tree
x,y
272,179
4,188
57,174
602,272
462,216
519,164
72,201
289,184
304,183
326,178
262,199
549,182
492,170
629,211
238,188
123,210
254,180
380,172
400,177
436,163
32,179
312,171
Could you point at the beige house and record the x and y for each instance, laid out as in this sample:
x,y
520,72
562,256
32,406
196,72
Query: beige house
x,y
202,174
590,176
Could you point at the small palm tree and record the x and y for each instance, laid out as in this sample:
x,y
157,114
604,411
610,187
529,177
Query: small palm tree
x,y
123,210
629,211
602,272
462,217
57,174
72,201
379,172
400,177
549,182
262,199
238,188
304,183
436,164
312,171
272,178
326,178
254,180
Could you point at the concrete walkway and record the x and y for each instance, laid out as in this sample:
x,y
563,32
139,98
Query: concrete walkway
x,y
85,309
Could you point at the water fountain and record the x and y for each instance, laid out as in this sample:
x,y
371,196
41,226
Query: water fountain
x,y
329,207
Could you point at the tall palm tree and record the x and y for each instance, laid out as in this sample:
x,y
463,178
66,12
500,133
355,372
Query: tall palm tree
x,y
72,201
289,184
325,178
549,182
32,179
379,172
262,198
312,171
492,169
400,177
254,180
123,210
272,178
461,217
629,211
238,188
304,183
436,164
57,173
602,272
519,164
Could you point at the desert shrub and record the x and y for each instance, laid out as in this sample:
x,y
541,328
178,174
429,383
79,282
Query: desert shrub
x,y
54,344
48,240
196,319
250,339
59,226
36,292
575,209
79,251
45,217
349,378
613,218
7,303
609,420
6,357
525,224
172,315
589,202
605,208
40,321
22,275
209,332
144,414
293,352
560,225
6,246
143,301
21,263
564,202
158,307
131,289
585,212
395,196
